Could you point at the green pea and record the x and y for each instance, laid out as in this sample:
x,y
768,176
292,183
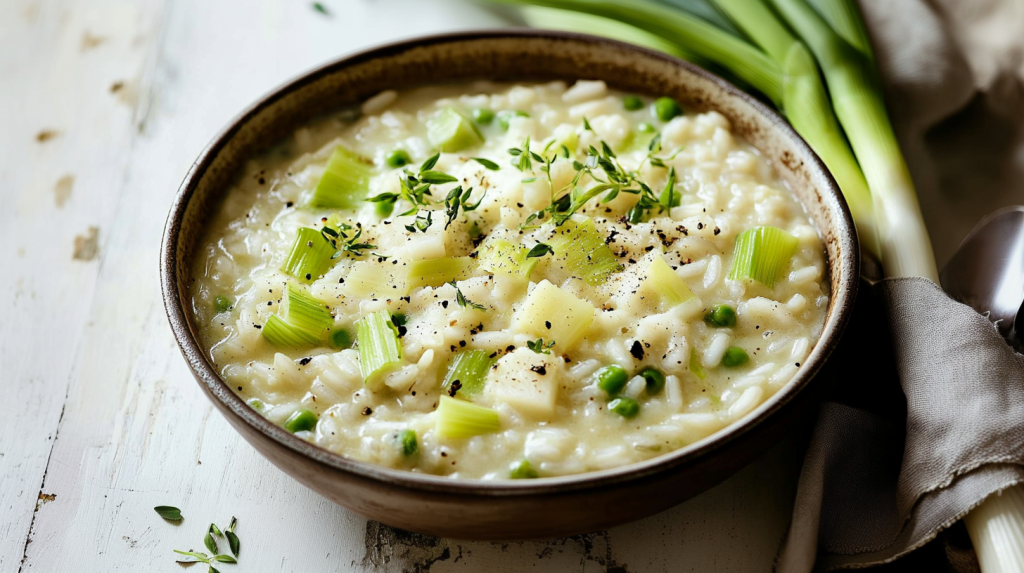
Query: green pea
x,y
655,380
300,421
612,379
735,356
624,406
523,470
632,103
483,116
407,438
506,116
398,158
340,338
721,315
384,208
665,108
256,404
645,127
222,304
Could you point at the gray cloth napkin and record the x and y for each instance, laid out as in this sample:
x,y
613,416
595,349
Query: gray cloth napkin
x,y
887,470
864,497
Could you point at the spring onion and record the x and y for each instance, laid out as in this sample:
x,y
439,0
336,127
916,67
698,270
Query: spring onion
x,y
310,256
283,335
436,272
345,181
624,406
665,284
379,348
762,254
654,380
467,373
300,421
523,470
581,252
735,356
301,310
695,366
460,419
612,379
721,316
408,442
450,131
499,256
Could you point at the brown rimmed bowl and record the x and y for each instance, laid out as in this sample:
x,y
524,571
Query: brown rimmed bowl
x,y
546,507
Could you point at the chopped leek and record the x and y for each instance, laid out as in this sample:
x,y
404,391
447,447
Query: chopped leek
x,y
371,279
283,335
345,181
695,366
523,470
503,257
467,373
666,284
762,254
222,304
581,251
300,421
459,419
437,272
304,312
407,441
379,348
450,131
310,256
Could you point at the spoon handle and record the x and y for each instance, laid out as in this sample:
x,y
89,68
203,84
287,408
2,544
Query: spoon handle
x,y
996,528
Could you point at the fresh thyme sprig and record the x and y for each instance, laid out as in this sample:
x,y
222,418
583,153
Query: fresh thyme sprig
x,y
458,198
539,347
209,540
421,223
343,243
465,302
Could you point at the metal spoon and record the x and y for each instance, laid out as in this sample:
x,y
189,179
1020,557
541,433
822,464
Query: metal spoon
x,y
987,272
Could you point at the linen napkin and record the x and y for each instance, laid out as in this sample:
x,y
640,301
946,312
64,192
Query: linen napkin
x,y
887,471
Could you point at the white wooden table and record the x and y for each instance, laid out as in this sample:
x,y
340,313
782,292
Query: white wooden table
x,y
103,106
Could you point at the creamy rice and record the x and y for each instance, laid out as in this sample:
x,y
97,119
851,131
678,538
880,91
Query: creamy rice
x,y
551,412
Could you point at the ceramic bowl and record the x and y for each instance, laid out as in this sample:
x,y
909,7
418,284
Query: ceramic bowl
x,y
523,508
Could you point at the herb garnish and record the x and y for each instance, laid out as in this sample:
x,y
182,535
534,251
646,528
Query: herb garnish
x,y
463,301
487,163
421,223
342,242
539,347
539,250
458,198
321,8
168,512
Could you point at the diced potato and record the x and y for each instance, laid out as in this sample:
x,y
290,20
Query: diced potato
x,y
666,284
553,314
526,381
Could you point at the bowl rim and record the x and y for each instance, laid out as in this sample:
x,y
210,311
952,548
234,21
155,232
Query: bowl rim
x,y
202,369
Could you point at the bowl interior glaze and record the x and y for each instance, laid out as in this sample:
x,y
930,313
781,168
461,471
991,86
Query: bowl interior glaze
x,y
489,510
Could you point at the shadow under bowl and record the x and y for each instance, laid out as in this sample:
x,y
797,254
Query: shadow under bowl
x,y
515,509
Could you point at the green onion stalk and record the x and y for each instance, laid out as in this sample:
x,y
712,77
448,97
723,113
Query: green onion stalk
x,y
779,67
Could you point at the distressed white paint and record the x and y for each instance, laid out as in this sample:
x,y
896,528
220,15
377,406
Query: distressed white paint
x,y
99,408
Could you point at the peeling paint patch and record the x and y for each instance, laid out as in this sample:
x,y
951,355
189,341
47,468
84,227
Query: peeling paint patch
x,y
45,498
62,190
45,135
87,247
89,41
392,549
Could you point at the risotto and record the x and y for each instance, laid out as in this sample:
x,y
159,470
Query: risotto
x,y
497,281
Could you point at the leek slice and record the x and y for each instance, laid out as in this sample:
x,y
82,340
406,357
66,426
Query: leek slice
x,y
450,131
695,366
302,311
671,290
437,272
459,419
467,373
582,252
379,348
371,279
345,181
499,256
762,254
310,256
283,335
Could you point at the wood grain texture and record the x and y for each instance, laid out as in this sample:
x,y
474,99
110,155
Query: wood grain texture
x,y
100,410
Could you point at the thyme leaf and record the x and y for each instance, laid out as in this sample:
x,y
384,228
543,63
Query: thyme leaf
x,y
465,302
168,512
539,347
